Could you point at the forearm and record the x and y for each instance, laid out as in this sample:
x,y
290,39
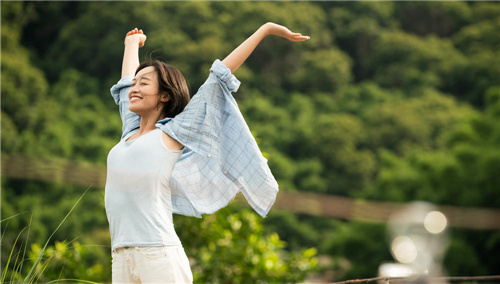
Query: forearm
x,y
243,51
130,58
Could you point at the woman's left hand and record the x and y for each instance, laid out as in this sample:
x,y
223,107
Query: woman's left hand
x,y
282,31
136,36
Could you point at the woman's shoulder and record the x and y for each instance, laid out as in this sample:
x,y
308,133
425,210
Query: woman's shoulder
x,y
169,142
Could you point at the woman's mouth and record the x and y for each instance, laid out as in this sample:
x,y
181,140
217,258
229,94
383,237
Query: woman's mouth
x,y
135,98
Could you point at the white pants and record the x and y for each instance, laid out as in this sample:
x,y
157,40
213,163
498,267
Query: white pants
x,y
168,264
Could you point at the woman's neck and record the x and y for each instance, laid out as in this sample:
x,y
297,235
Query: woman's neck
x,y
148,123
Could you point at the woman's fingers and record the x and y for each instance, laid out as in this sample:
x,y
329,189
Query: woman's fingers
x,y
286,33
136,35
135,31
298,37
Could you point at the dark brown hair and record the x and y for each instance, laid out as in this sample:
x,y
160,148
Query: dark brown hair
x,y
171,85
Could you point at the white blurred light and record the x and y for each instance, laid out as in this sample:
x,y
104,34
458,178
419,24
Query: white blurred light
x,y
395,270
404,249
435,222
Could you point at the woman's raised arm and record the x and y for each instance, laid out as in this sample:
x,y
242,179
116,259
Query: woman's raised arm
x,y
133,41
241,53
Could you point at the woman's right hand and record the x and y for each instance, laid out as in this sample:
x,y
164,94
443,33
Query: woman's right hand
x,y
135,36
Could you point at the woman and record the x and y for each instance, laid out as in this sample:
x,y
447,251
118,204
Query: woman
x,y
208,142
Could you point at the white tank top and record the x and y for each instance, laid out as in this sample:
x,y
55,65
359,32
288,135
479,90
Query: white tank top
x,y
137,195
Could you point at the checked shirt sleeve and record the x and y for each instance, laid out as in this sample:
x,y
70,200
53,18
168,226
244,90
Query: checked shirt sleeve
x,y
119,92
221,157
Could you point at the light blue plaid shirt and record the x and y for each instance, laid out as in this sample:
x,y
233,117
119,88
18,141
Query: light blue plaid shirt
x,y
220,158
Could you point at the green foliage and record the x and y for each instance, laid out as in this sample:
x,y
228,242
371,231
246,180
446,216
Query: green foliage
x,y
352,244
23,85
479,37
41,207
33,266
66,261
408,62
441,18
357,27
470,264
230,248
301,230
415,121
447,175
334,65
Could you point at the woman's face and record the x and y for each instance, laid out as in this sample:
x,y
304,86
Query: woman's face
x,y
143,94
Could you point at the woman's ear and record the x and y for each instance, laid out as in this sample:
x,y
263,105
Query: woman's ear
x,y
164,98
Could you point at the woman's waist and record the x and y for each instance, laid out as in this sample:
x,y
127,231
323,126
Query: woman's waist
x,y
134,235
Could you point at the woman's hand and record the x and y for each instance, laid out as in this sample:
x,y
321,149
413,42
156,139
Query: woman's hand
x,y
278,30
135,36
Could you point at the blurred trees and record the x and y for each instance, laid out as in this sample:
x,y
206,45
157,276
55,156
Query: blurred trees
x,y
388,100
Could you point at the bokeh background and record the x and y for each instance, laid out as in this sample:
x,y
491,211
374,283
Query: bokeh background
x,y
388,101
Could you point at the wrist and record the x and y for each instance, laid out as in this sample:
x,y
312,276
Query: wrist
x,y
130,40
267,28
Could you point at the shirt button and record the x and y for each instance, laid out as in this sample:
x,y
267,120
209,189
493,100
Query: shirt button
x,y
209,155
225,172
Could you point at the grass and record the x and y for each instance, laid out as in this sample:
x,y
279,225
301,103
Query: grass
x,y
35,271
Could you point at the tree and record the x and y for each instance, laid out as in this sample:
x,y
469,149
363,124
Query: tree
x,y
358,250
230,248
405,61
441,18
23,86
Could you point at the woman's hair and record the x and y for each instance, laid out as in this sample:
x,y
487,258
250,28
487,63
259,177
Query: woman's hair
x,y
171,85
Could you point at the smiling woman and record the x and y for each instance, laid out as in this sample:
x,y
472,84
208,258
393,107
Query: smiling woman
x,y
179,156
158,90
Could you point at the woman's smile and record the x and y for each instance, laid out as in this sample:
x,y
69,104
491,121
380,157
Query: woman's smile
x,y
135,98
